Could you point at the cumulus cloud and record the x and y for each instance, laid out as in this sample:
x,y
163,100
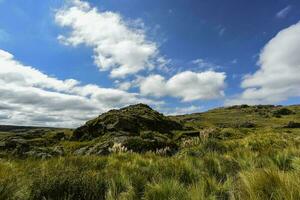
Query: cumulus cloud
x,y
188,86
284,12
30,97
119,47
278,78
124,85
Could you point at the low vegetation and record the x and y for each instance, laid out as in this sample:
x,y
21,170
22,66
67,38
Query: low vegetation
x,y
215,155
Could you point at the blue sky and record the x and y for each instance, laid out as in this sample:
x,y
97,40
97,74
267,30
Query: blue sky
x,y
175,55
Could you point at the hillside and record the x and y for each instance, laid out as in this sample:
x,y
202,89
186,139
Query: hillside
x,y
239,152
131,120
261,115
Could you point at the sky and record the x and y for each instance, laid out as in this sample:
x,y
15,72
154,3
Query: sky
x,y
63,62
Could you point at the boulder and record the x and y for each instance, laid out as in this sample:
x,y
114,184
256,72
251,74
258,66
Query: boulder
x,y
17,145
95,149
59,151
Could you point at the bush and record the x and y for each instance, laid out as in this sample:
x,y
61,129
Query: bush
x,y
282,111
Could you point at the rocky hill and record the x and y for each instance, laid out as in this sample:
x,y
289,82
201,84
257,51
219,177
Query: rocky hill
x,y
136,128
131,120
139,128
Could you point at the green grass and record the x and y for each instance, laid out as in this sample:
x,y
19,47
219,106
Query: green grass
x,y
227,162
237,174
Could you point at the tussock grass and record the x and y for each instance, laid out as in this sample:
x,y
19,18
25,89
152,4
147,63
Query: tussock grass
x,y
168,189
268,184
226,163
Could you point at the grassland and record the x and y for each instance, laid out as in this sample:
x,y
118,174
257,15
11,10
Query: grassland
x,y
242,153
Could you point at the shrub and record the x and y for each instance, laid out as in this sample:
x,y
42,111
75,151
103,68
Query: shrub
x,y
245,106
282,111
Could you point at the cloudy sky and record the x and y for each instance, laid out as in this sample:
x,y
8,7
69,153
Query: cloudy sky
x,y
63,62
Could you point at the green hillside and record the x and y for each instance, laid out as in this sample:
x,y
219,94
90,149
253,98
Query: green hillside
x,y
240,152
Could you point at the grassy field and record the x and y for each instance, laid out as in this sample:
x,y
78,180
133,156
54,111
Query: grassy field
x,y
240,153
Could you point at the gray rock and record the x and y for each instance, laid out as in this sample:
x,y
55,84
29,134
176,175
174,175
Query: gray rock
x,y
58,150
82,151
130,120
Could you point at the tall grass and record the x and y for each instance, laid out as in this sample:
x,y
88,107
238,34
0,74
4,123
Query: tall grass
x,y
268,184
168,189
233,165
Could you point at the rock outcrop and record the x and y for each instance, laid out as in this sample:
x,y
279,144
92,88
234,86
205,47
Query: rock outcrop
x,y
131,121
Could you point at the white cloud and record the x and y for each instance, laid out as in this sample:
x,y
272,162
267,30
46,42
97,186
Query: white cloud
x,y
284,12
119,46
204,64
30,97
278,77
188,86
184,110
124,85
